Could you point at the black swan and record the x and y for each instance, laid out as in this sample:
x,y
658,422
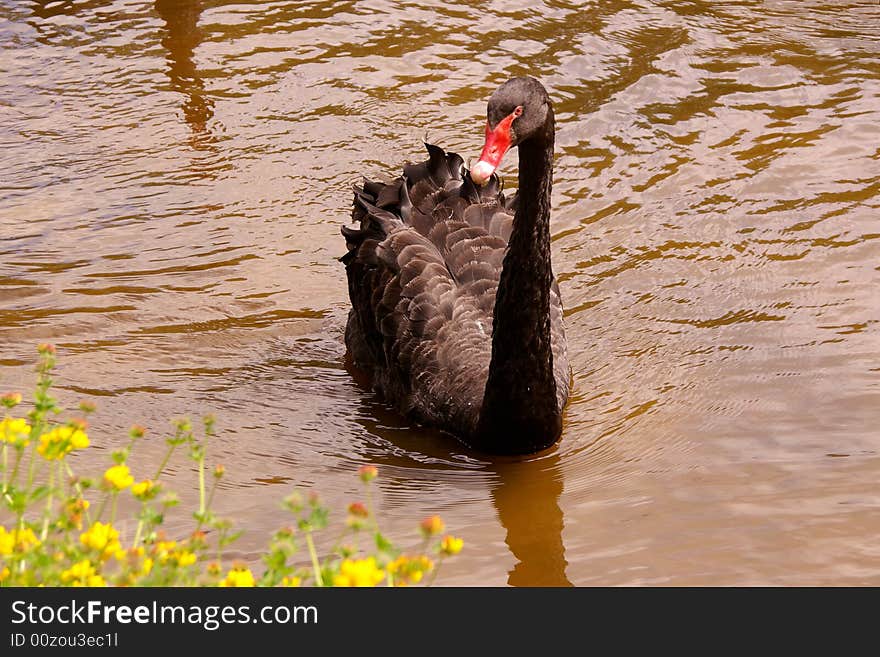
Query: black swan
x,y
456,314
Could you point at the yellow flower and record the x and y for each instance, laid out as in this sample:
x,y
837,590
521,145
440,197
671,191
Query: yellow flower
x,y
397,565
78,570
130,553
238,576
92,580
164,550
56,444
103,538
73,510
359,572
432,526
287,581
82,573
18,540
144,490
26,539
118,477
410,568
451,545
4,573
15,432
133,559
184,558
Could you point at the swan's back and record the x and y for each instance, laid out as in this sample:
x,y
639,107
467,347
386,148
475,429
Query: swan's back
x,y
423,269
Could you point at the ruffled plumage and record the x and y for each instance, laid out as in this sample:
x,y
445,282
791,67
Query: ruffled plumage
x,y
423,267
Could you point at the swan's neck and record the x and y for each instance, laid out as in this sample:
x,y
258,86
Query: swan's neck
x,y
520,413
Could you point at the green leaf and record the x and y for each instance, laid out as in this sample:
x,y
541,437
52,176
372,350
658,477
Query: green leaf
x,y
170,499
206,518
383,544
275,560
39,493
16,500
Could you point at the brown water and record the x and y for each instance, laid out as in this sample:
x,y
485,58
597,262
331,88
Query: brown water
x,y
173,176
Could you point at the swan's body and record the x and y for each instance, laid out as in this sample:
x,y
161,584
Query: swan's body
x,y
437,265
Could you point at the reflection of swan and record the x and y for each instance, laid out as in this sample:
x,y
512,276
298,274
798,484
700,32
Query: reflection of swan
x,y
525,494
181,21
455,312
527,500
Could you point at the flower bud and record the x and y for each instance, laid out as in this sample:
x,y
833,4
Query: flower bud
x,y
368,472
11,399
432,526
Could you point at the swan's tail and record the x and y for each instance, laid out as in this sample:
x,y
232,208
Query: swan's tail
x,y
410,199
376,212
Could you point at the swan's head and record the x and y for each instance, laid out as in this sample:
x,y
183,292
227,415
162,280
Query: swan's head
x,y
518,110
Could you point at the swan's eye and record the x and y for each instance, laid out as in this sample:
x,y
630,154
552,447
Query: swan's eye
x,y
517,111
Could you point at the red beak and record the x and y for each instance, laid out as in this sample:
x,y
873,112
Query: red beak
x,y
497,144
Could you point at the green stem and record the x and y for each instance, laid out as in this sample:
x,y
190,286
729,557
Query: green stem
x,y
220,546
436,570
14,476
207,505
140,527
319,581
48,512
164,462
373,519
101,508
31,470
79,491
202,487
